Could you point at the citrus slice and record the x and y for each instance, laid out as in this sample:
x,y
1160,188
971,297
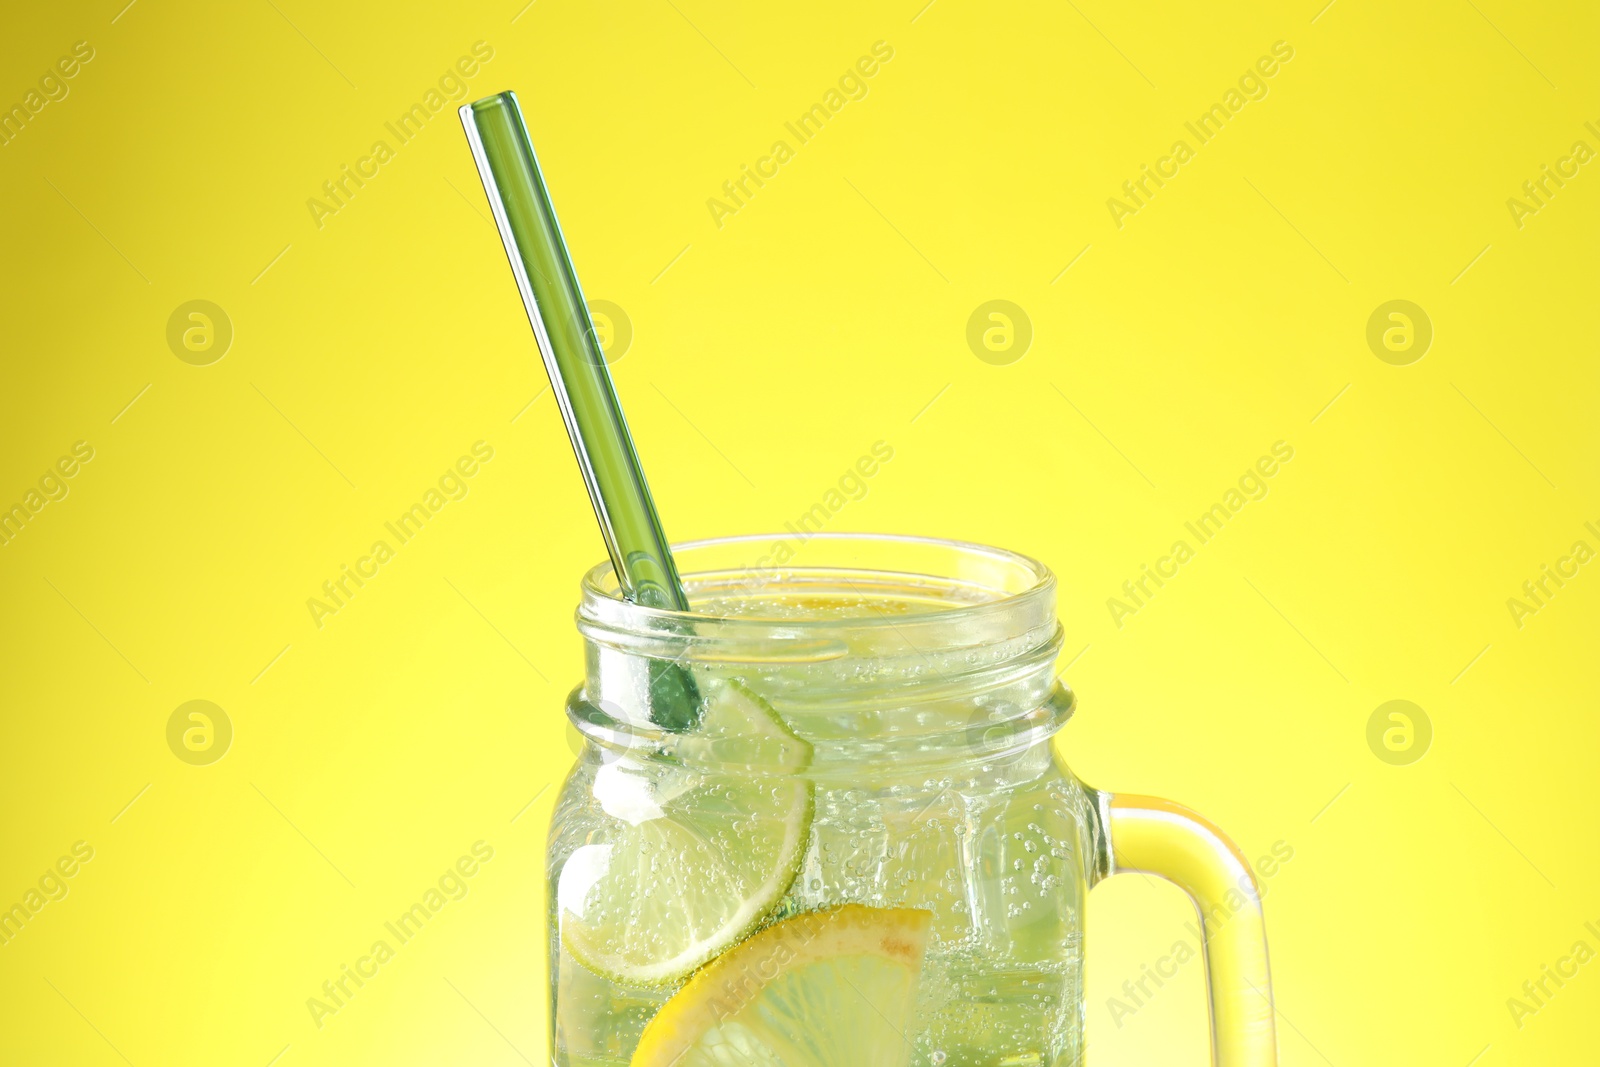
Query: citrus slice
x,y
687,863
825,989
738,730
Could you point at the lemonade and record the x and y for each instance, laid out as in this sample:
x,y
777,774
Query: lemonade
x,y
873,757
817,820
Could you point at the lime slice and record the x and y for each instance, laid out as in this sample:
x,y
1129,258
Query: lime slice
x,y
826,989
688,863
739,730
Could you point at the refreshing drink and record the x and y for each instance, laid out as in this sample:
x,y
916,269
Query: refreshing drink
x,y
872,769
817,819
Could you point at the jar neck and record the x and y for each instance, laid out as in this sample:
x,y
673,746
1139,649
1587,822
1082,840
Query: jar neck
x,y
875,649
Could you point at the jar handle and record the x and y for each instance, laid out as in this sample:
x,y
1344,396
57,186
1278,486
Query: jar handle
x,y
1159,837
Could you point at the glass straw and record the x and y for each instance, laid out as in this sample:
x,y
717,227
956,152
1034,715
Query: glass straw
x,y
576,364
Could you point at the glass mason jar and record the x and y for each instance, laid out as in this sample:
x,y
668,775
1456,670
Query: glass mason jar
x,y
876,731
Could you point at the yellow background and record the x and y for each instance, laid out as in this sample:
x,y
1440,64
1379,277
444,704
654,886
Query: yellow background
x,y
767,356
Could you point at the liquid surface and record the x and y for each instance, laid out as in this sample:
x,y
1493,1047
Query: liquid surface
x,y
833,596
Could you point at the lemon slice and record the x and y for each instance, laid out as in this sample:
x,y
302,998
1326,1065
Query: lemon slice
x,y
687,863
825,989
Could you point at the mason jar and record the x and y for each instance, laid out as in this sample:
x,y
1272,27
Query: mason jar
x,y
819,819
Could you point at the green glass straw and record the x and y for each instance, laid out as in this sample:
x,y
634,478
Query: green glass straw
x,y
582,384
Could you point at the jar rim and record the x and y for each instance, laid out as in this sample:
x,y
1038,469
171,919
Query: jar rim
x,y
1011,580
915,649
